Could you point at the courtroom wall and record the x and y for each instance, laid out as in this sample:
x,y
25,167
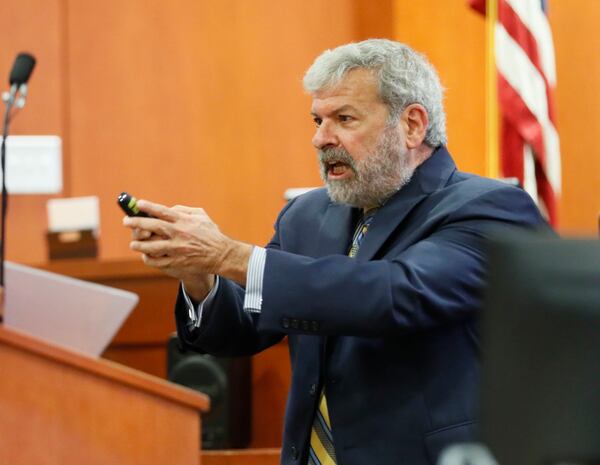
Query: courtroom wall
x,y
200,102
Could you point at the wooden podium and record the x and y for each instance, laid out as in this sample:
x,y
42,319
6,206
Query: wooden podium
x,y
141,345
61,407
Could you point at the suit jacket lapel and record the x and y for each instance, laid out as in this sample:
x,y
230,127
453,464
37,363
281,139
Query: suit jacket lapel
x,y
336,230
428,177
334,238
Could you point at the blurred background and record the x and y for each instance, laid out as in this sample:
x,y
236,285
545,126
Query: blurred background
x,y
200,102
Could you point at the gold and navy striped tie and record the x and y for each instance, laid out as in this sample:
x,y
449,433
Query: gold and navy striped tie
x,y
321,442
321,450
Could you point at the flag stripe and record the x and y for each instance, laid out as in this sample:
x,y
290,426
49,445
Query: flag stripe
x,y
547,195
525,62
514,65
535,20
529,177
528,42
517,71
512,142
541,136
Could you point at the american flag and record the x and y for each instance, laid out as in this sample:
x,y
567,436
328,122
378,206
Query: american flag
x,y
524,55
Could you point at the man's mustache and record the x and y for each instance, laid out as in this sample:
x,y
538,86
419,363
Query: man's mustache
x,y
336,155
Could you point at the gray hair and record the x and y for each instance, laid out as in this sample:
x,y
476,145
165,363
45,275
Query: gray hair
x,y
405,77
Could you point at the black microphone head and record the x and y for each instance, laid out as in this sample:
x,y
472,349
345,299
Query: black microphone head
x,y
22,69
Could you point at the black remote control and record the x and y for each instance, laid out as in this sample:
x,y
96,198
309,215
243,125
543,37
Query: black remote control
x,y
129,205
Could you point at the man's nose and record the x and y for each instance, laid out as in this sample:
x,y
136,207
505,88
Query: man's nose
x,y
325,136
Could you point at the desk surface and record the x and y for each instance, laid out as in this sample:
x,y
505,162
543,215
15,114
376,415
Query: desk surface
x,y
92,269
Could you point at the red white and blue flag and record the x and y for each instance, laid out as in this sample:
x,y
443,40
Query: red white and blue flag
x,y
524,55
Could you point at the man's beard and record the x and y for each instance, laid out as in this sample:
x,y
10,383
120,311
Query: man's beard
x,y
376,177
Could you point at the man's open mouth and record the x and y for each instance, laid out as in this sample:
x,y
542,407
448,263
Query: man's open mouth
x,y
337,169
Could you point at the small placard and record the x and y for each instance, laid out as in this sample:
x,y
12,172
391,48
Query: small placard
x,y
33,164
73,214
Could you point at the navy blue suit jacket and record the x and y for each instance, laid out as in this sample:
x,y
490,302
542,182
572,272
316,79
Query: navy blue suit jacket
x,y
391,333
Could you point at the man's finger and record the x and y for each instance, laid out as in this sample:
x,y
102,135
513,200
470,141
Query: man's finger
x,y
156,248
141,234
187,210
152,225
157,210
157,262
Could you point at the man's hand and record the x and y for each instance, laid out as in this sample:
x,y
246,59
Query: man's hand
x,y
185,243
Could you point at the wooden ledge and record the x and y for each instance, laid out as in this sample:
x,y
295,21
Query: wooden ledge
x,y
104,369
240,457
92,269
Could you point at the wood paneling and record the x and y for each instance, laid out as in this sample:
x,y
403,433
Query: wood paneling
x,y
201,103
374,19
452,37
577,44
271,376
198,103
149,358
34,26
241,457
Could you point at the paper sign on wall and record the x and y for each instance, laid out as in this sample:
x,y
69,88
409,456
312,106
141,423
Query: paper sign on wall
x,y
33,164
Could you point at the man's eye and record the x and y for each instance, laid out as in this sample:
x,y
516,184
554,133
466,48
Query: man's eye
x,y
345,118
317,121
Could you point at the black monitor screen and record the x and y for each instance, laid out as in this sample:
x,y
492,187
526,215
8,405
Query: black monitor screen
x,y
541,352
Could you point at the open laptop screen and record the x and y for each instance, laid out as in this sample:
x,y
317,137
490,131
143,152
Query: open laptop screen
x,y
76,314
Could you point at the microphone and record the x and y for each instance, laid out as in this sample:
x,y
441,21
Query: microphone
x,y
22,69
19,75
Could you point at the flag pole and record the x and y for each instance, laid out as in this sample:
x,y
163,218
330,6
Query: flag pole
x,y
492,114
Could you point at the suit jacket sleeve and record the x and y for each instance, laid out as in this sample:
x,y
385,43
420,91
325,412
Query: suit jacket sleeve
x,y
226,329
437,279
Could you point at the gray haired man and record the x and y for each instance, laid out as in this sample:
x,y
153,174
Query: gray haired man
x,y
375,279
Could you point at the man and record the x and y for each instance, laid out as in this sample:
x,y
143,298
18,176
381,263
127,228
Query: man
x,y
376,280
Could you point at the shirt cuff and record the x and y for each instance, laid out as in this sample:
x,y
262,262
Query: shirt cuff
x,y
254,280
195,312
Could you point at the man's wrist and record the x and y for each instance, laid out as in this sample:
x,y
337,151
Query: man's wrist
x,y
197,288
234,265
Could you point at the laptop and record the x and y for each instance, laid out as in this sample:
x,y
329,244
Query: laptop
x,y
76,314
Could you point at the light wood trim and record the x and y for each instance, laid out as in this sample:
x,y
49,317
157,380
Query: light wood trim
x,y
100,270
105,369
491,88
241,457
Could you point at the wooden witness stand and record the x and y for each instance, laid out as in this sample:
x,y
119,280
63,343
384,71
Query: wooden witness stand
x,y
61,407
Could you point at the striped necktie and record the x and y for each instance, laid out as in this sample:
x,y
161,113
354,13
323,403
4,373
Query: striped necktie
x,y
321,450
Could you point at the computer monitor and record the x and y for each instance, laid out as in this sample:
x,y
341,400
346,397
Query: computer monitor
x,y
540,398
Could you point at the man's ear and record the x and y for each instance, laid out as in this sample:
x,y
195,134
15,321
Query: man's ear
x,y
416,122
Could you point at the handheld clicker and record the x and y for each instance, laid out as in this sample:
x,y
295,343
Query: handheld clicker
x,y
129,205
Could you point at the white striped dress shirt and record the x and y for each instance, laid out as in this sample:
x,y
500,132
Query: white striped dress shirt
x,y
252,299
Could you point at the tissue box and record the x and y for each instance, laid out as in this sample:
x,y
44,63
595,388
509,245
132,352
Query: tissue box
x,y
72,244
73,225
